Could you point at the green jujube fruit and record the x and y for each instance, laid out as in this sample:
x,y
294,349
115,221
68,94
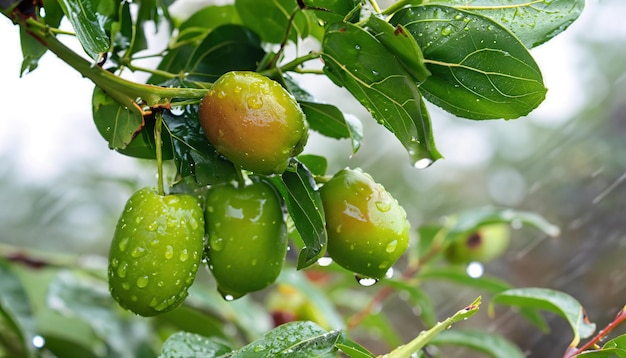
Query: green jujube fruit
x,y
247,237
485,244
253,121
156,251
367,228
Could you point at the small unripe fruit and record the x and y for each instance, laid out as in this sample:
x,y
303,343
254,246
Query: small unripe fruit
x,y
156,251
485,244
253,121
367,228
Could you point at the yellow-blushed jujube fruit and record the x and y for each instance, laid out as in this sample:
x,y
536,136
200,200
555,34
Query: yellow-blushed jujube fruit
x,y
156,251
247,237
367,228
253,121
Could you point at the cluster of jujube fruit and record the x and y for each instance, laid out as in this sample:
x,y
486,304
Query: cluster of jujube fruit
x,y
239,228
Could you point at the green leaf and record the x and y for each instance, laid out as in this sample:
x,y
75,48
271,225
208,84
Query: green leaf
x,y
554,301
426,336
87,24
494,345
604,353
332,11
194,155
316,164
329,121
418,298
479,69
32,50
399,42
208,18
532,22
458,275
473,219
185,344
296,339
353,349
270,18
355,59
15,308
617,342
226,48
304,204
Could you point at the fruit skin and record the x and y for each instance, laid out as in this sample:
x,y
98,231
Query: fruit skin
x,y
247,237
367,228
156,251
485,244
253,121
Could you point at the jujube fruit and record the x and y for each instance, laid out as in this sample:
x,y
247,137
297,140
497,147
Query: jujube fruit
x,y
156,250
485,244
247,237
367,228
253,121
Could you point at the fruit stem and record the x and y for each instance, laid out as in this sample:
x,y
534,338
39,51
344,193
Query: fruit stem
x,y
241,179
126,92
159,152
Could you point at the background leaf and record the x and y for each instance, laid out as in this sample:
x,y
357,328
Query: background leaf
x,y
554,301
479,69
494,345
15,308
532,22
354,59
275,16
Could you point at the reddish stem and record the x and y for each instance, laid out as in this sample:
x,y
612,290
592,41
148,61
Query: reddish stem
x,y
619,319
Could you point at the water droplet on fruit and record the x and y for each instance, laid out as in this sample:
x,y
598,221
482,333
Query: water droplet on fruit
x,y
154,242
365,281
391,247
160,307
126,286
160,283
138,219
134,298
142,281
138,251
114,262
237,89
152,226
221,94
389,273
123,244
193,223
169,252
254,102
121,271
383,206
184,255
352,247
217,243
228,297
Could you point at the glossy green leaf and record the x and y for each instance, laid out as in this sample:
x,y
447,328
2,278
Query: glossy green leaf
x,y
532,22
89,29
399,42
493,345
185,344
273,22
15,308
604,353
550,300
426,336
296,339
355,59
352,349
194,155
304,204
206,19
226,48
331,11
316,164
479,69
329,121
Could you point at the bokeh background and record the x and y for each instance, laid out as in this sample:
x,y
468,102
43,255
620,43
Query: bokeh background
x,y
61,188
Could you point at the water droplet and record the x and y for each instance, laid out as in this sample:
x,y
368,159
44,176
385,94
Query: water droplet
x,y
152,226
324,261
391,247
114,263
169,252
38,341
138,251
383,206
184,255
138,219
121,271
217,243
221,94
123,244
254,102
126,286
228,297
237,89
154,242
338,229
193,223
161,306
142,281
365,281
446,31
160,284
423,163
259,348
357,47
389,273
